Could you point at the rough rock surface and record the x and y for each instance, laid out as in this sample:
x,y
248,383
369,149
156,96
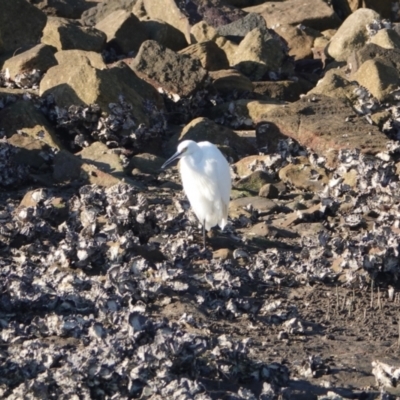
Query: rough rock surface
x,y
106,291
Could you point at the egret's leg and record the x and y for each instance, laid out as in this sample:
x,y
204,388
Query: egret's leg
x,y
204,234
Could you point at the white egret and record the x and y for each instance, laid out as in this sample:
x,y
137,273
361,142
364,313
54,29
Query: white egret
x,y
206,180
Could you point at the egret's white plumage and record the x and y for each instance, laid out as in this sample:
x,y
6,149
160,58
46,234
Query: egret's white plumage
x,y
206,181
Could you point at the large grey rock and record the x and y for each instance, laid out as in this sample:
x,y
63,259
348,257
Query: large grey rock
x,y
352,34
176,73
20,32
237,30
66,34
123,30
39,57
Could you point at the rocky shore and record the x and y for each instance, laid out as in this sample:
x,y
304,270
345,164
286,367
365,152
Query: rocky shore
x,y
105,290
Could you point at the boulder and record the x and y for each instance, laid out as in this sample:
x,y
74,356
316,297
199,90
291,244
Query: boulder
x,y
316,14
322,124
226,81
211,57
17,32
257,54
95,14
123,30
176,73
352,34
165,34
82,78
39,57
387,38
64,34
24,117
63,8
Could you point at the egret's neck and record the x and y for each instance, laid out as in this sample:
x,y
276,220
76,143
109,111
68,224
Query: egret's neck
x,y
194,158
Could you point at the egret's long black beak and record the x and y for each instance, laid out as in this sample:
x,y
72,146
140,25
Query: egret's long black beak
x,y
176,156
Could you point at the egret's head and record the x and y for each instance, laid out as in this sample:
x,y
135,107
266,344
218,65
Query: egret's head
x,y
185,148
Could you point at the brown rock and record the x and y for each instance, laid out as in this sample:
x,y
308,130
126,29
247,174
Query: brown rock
x,y
282,90
23,116
81,78
39,57
300,40
315,14
319,122
147,163
211,57
17,32
66,167
378,77
271,190
258,54
165,34
95,14
123,30
383,7
64,34
242,206
63,8
304,176
254,182
228,80
169,13
352,34
387,38
176,73
246,165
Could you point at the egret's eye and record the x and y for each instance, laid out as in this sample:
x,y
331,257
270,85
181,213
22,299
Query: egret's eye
x,y
185,149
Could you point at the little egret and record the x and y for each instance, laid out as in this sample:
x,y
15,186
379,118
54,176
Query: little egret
x,y
206,180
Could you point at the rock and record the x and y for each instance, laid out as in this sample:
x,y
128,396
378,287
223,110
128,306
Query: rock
x,y
378,77
17,32
81,78
39,57
371,51
258,54
382,7
147,163
282,90
31,150
247,165
169,13
24,116
319,122
352,34
228,80
216,12
62,8
201,129
202,32
95,14
254,182
244,205
99,154
300,40
238,29
304,176
165,34
387,38
211,57
335,84
123,30
241,114
64,34
176,73
66,167
271,190
223,254
314,14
